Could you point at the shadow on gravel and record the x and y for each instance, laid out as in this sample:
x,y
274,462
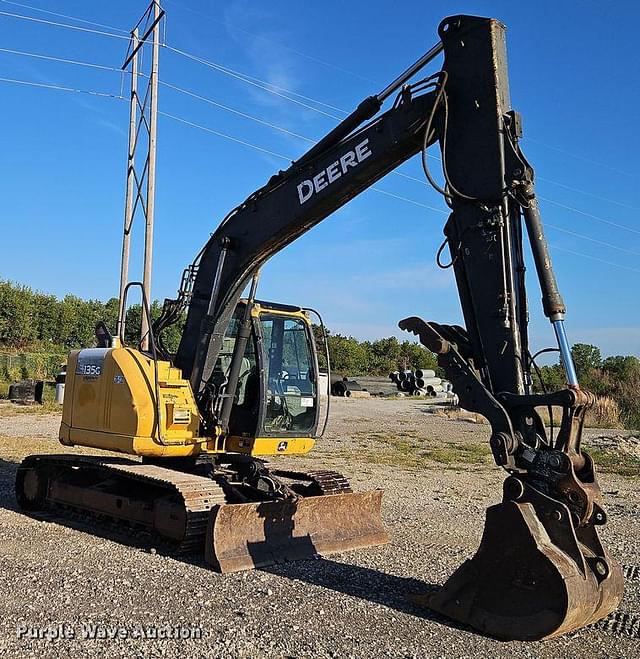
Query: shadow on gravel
x,y
7,480
395,592
392,591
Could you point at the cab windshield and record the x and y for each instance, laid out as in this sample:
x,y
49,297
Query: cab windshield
x,y
290,378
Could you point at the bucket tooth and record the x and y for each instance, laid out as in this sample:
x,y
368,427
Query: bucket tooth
x,y
520,585
244,536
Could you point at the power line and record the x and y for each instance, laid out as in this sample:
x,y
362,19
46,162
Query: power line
x,y
283,157
205,99
593,217
64,25
208,130
219,134
593,258
291,133
261,84
271,88
411,201
310,140
588,194
228,108
286,131
278,155
590,239
247,77
28,83
578,157
61,59
166,84
72,18
253,35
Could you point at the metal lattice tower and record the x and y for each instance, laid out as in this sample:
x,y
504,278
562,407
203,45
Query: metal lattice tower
x,y
141,156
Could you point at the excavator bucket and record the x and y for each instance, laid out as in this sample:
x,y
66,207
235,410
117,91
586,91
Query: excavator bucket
x,y
244,536
521,585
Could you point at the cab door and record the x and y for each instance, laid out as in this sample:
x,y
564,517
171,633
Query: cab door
x,y
289,371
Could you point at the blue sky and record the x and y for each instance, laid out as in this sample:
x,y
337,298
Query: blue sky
x,y
574,77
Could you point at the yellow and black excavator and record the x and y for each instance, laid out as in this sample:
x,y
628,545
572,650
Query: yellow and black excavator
x,y
245,379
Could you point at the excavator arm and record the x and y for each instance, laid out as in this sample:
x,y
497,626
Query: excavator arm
x,y
540,569
291,203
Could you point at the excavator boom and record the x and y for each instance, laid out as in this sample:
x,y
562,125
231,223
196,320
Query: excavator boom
x,y
489,186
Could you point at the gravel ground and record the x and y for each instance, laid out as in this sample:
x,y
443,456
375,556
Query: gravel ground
x,y
70,583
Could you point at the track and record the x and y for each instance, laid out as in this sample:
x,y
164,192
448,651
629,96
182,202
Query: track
x,y
330,482
134,502
177,523
620,623
322,481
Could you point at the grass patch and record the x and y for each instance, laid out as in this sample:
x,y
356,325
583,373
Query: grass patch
x,y
407,450
48,407
465,453
604,414
411,452
610,461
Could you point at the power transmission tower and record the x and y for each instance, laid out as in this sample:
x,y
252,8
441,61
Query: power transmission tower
x,y
141,157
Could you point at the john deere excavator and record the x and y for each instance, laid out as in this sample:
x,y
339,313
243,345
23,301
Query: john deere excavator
x,y
244,381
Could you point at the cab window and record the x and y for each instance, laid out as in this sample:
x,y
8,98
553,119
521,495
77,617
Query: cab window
x,y
289,374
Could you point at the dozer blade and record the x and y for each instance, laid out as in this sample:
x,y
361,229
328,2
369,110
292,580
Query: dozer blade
x,y
521,585
244,536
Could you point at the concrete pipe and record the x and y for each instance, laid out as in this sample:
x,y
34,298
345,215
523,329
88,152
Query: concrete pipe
x,y
431,381
344,386
357,394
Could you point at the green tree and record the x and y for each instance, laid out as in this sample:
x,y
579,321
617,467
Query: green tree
x,y
417,356
622,367
46,317
17,310
171,336
384,355
551,378
585,357
347,355
110,314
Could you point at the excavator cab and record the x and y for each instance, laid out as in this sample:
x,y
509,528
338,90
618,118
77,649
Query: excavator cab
x,y
277,394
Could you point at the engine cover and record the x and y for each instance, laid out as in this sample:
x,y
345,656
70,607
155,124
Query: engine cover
x,y
112,402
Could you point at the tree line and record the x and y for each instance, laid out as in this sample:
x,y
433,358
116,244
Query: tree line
x,y
352,357
35,322
615,378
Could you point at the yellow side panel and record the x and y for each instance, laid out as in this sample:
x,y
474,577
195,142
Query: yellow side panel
x,y
269,445
110,403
